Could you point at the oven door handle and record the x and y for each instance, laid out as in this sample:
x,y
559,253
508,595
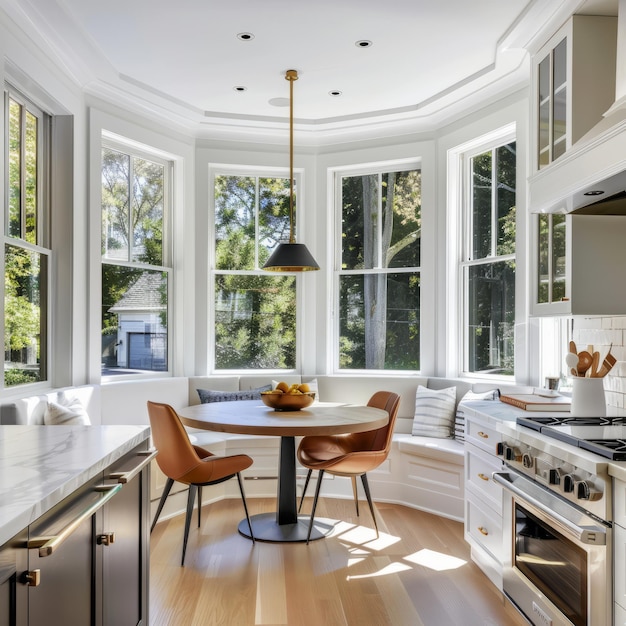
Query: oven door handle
x,y
592,535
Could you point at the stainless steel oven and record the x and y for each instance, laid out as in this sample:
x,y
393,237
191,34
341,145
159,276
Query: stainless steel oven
x,y
557,567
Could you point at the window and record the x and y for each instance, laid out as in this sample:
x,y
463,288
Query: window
x,y
378,270
488,263
26,251
136,261
255,312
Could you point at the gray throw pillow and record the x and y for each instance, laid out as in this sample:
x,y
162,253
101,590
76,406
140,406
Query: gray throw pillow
x,y
208,395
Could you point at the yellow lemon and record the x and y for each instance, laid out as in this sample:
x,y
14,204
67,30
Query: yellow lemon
x,y
304,388
284,387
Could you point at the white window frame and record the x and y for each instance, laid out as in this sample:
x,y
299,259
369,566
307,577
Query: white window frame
x,y
459,205
225,169
42,247
142,151
351,171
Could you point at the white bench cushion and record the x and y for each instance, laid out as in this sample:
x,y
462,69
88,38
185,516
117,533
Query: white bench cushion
x,y
448,450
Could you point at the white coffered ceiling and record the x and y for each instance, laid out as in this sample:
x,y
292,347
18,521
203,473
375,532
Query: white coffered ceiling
x,y
183,58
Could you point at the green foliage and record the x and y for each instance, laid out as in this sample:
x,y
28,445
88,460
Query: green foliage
x,y
255,318
16,376
379,312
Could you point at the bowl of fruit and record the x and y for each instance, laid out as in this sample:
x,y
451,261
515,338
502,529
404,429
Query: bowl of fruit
x,y
288,397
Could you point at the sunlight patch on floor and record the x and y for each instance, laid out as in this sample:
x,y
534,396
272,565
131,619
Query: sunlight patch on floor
x,y
392,568
435,560
364,537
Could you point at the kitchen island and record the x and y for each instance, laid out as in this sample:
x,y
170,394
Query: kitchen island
x,y
74,526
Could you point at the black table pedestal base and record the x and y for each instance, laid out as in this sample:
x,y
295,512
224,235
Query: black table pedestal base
x,y
265,528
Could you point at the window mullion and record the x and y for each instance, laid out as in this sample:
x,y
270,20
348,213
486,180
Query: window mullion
x,y
131,232
494,202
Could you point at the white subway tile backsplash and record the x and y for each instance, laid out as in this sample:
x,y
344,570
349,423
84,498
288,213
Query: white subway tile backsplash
x,y
602,333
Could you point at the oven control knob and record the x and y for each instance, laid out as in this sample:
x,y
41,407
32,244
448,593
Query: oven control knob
x,y
527,460
569,482
554,476
512,454
582,490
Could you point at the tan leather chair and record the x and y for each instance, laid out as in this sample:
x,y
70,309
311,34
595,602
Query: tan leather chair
x,y
349,455
191,465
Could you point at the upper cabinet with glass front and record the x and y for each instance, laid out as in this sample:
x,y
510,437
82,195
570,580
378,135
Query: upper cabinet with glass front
x,y
579,265
574,79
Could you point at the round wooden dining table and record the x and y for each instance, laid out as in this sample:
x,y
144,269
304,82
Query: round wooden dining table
x,y
252,417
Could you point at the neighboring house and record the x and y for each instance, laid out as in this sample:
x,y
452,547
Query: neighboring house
x,y
141,333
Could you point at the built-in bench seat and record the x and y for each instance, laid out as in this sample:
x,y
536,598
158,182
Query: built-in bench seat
x,y
421,472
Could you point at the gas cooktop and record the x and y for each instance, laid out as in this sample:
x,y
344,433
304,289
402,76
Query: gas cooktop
x,y
605,436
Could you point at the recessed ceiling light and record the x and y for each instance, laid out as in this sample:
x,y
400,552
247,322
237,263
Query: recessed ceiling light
x,y
363,43
245,36
240,88
334,92
595,192
279,102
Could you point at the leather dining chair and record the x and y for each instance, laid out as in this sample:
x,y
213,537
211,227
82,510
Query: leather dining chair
x,y
191,465
351,455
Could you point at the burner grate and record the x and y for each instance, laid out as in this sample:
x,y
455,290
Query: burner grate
x,y
614,449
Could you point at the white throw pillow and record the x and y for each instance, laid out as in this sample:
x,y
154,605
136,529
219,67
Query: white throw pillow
x,y
66,412
459,419
434,412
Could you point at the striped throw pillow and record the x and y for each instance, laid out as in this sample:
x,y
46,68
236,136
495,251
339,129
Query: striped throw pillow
x,y
434,412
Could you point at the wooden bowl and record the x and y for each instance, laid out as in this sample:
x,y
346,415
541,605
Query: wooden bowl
x,y
287,401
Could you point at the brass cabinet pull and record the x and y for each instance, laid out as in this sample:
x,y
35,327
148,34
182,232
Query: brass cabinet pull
x,y
105,539
48,545
126,477
483,531
483,476
31,578
483,434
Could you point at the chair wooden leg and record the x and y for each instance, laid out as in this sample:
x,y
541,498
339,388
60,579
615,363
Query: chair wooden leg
x,y
356,495
166,492
306,484
190,501
366,487
317,494
245,506
199,503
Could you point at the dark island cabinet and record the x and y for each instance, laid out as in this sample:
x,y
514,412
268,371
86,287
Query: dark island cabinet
x,y
85,561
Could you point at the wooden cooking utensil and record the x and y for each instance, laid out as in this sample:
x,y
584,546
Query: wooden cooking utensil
x,y
607,364
572,347
595,362
584,362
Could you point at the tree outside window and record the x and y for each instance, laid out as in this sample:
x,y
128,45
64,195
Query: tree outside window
x,y
25,242
489,263
135,262
255,312
378,280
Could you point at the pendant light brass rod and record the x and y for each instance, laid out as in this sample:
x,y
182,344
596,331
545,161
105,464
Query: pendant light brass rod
x,y
291,76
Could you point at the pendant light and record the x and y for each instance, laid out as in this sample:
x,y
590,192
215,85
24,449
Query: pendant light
x,y
291,256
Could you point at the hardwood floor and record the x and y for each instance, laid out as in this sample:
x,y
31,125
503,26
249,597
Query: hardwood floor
x,y
418,573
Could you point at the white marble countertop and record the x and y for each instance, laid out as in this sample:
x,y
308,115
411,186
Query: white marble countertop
x,y
503,417
41,465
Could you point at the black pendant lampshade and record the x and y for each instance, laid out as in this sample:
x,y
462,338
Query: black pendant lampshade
x,y
291,256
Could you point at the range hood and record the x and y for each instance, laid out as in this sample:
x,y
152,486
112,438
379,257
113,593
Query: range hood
x,y
590,178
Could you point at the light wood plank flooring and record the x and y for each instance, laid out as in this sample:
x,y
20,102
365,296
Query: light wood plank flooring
x,y
418,573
